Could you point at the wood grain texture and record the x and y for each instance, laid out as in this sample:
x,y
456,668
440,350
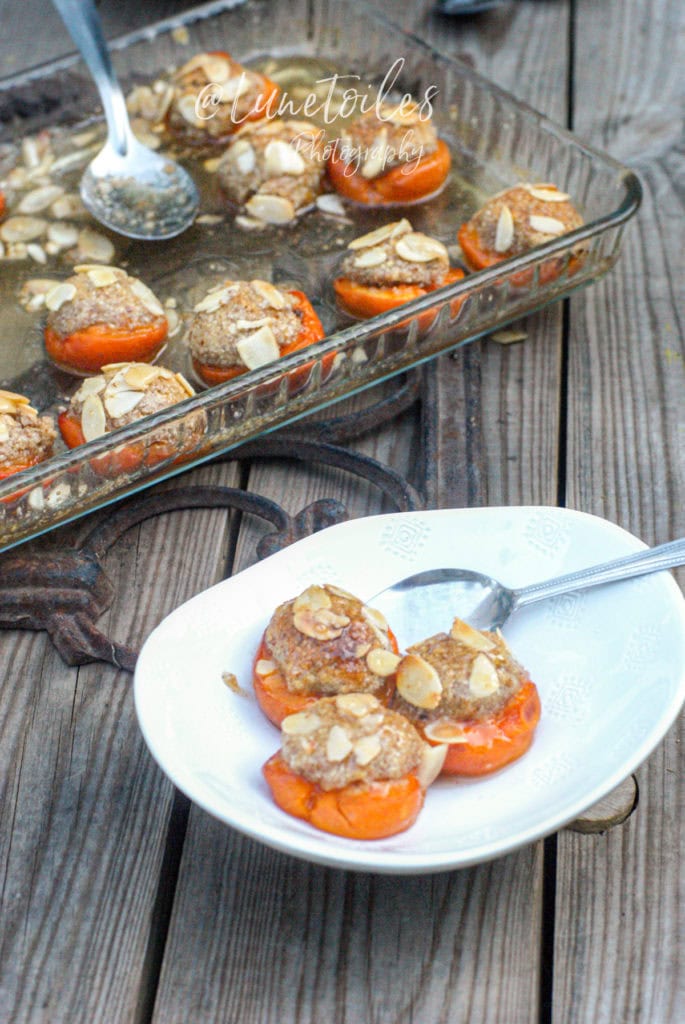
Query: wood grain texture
x,y
619,944
85,811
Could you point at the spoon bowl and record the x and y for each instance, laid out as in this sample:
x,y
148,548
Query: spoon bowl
x,y
127,187
140,194
415,605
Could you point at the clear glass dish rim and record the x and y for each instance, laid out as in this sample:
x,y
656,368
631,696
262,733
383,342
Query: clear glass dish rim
x,y
359,331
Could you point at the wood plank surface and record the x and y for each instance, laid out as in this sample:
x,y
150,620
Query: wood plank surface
x,y
85,813
619,947
120,903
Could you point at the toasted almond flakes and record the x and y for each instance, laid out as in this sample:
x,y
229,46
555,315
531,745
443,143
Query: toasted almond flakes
x,y
382,662
357,704
312,599
471,637
271,209
379,234
57,296
338,744
366,749
504,234
483,681
370,258
546,225
430,766
419,248
93,421
418,682
301,723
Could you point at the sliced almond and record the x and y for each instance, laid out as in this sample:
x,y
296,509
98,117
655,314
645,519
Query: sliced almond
x,y
90,386
92,246
31,152
93,420
16,251
366,748
146,296
101,277
68,207
376,157
235,87
331,204
242,156
546,225
269,294
187,108
4,429
258,348
323,624
430,765
380,234
63,235
37,253
282,158
216,68
338,744
375,618
312,599
357,704
74,159
271,209
214,299
140,375
471,637
361,650
15,397
39,198
504,234
339,592
416,247
120,402
22,228
547,194
445,731
382,662
483,680
57,296
264,667
418,682
185,385
302,723
370,257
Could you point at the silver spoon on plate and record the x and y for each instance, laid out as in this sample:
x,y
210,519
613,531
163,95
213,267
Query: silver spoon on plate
x,y
414,605
127,187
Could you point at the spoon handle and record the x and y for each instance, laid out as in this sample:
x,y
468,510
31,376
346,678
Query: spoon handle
x,y
83,23
664,556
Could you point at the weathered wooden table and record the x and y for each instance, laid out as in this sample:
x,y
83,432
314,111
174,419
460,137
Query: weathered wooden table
x,y
121,902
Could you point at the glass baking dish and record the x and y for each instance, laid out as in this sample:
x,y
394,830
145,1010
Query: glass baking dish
x,y
495,141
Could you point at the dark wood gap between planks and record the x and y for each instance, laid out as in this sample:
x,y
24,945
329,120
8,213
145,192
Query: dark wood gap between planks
x,y
162,909
550,847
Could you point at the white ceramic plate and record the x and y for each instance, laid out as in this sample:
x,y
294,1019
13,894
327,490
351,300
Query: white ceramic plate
x,y
609,664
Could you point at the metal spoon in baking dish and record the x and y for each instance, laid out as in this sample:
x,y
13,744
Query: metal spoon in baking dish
x,y
127,187
413,605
